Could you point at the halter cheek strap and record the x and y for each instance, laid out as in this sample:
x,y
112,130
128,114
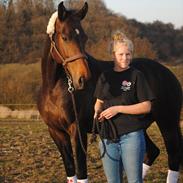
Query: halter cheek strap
x,y
59,58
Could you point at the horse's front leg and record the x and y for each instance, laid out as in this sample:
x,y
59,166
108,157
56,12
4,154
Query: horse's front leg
x,y
81,156
63,142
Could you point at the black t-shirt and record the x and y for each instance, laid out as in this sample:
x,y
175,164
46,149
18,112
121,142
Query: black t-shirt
x,y
123,88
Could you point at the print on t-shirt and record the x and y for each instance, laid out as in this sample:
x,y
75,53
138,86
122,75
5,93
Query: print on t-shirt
x,y
126,85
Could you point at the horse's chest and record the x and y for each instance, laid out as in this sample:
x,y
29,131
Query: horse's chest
x,y
58,105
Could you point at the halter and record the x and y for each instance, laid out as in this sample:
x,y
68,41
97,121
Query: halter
x,y
59,58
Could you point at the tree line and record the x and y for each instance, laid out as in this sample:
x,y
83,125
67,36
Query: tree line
x,y
23,26
23,32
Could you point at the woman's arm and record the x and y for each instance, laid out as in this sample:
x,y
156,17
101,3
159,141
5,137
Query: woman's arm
x,y
139,108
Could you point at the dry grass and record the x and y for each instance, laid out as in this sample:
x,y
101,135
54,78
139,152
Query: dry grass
x,y
26,114
19,83
28,155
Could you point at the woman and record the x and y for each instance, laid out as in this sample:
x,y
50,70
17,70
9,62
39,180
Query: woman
x,y
123,101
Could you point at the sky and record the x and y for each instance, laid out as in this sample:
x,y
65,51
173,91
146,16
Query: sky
x,y
166,11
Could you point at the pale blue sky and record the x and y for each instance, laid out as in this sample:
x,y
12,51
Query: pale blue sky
x,y
149,10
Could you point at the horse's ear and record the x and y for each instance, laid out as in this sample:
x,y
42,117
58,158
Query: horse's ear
x,y
82,12
62,12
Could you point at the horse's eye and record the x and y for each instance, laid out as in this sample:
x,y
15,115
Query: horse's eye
x,y
64,38
77,31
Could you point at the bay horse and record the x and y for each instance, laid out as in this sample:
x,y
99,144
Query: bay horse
x,y
69,72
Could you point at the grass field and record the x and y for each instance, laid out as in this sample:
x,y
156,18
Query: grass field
x,y
28,155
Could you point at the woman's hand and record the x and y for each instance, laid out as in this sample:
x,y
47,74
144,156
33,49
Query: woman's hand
x,y
108,113
97,116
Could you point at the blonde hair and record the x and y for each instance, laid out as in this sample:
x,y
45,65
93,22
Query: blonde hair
x,y
120,37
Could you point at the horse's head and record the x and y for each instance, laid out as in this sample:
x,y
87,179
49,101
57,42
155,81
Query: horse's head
x,y
68,44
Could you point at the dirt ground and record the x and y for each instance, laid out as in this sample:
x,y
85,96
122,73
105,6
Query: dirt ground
x,y
28,155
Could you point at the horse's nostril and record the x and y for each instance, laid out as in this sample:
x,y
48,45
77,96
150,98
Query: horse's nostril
x,y
81,82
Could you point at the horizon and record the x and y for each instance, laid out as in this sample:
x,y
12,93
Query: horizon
x,y
166,11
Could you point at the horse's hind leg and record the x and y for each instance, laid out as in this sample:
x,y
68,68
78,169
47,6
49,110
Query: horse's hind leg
x,y
63,142
172,137
152,152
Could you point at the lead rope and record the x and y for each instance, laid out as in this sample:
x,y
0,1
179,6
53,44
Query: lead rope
x,y
71,91
94,137
95,124
100,130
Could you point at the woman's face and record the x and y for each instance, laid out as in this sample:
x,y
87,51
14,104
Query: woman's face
x,y
122,57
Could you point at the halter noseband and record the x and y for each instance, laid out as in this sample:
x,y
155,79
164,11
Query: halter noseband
x,y
59,58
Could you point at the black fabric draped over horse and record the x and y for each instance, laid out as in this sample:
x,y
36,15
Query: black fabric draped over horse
x,y
65,60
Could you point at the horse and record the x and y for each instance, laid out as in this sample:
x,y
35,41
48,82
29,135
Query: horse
x,y
66,101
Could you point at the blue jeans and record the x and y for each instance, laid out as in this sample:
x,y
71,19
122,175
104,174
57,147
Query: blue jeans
x,y
127,155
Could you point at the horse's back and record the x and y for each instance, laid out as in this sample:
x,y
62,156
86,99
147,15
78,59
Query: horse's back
x,y
165,86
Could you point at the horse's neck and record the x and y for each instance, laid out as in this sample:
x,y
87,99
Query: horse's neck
x,y
51,71
98,66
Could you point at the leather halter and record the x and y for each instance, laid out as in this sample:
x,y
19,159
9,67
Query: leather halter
x,y
59,58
